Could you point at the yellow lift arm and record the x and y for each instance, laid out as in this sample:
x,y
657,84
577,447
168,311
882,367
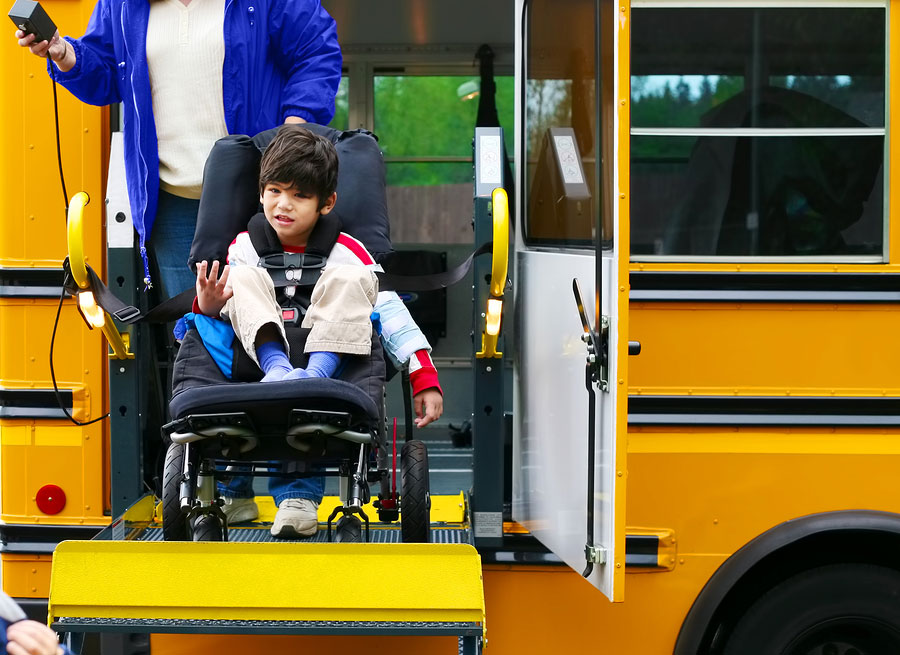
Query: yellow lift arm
x,y
371,589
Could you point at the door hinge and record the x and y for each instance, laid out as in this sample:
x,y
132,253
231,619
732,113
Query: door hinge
x,y
595,554
598,354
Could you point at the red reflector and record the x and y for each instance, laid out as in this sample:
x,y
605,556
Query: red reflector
x,y
288,314
50,499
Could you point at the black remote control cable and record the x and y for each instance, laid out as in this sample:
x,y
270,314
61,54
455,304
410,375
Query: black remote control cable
x,y
62,295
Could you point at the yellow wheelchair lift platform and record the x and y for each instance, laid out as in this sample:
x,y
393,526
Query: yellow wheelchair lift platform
x,y
265,587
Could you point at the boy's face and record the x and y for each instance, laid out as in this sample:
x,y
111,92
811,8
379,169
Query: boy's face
x,y
291,213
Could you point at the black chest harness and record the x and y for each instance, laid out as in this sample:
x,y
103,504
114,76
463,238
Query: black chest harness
x,y
294,274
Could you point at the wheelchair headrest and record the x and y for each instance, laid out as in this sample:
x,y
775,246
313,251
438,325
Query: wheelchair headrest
x,y
230,195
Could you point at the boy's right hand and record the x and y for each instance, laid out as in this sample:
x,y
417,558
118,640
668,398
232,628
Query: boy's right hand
x,y
212,291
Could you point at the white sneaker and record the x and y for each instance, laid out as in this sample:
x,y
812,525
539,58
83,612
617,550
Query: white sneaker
x,y
296,517
238,510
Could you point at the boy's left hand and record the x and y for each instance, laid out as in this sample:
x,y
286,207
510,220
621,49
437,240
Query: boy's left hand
x,y
429,405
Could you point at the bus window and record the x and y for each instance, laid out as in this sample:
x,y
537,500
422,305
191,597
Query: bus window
x,y
341,120
758,132
561,89
425,125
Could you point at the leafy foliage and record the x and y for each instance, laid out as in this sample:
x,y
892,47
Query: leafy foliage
x,y
424,116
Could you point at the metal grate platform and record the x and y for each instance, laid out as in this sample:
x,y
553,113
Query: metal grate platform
x,y
432,628
377,535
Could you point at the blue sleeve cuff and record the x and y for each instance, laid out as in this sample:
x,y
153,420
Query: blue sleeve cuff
x,y
298,112
70,75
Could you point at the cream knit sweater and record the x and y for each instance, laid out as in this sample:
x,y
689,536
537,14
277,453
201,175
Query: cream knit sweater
x,y
185,53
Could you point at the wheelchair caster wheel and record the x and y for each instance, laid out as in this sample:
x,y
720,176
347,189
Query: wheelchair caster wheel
x,y
348,530
207,527
415,498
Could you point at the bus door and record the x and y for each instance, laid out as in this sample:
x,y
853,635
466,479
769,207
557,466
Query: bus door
x,y
569,455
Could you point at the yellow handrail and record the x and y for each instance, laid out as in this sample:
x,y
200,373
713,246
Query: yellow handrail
x,y
499,269
92,313
500,258
75,239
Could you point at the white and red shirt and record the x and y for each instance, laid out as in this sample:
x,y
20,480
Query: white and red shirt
x,y
402,339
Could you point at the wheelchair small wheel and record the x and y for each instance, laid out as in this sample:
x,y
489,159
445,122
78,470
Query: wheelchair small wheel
x,y
174,523
207,527
348,530
415,498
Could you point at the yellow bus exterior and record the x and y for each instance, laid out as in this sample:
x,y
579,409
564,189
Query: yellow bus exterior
x,y
705,492
39,450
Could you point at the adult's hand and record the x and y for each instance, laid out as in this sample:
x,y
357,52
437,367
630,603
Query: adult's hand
x,y
56,49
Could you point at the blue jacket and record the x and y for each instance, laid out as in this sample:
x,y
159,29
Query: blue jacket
x,y
282,59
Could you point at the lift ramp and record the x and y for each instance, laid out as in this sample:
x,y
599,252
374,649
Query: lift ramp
x,y
249,585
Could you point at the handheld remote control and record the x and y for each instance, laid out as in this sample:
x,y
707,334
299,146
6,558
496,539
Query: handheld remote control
x,y
31,18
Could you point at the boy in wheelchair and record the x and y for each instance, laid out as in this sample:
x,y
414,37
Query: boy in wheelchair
x,y
297,186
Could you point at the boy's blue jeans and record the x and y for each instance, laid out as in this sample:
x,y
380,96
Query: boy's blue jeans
x,y
241,486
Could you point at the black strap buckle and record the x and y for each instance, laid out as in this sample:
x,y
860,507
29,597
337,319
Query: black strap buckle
x,y
292,260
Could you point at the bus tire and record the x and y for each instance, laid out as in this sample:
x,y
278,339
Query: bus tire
x,y
174,524
348,530
415,497
207,527
840,608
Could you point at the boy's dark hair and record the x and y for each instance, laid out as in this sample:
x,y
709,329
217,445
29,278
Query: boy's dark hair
x,y
305,160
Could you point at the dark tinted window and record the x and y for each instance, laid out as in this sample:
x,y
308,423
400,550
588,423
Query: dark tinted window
x,y
561,132
758,132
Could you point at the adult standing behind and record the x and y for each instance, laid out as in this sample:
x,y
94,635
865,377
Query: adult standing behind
x,y
189,72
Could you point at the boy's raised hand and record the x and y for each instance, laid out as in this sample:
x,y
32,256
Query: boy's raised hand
x,y
429,405
212,291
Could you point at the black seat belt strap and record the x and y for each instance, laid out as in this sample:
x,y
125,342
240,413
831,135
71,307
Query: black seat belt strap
x,y
432,281
177,306
165,312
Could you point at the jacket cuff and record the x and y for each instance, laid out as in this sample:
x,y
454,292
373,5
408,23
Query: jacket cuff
x,y
72,74
424,376
195,307
300,113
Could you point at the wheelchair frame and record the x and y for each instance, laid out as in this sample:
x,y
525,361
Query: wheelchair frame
x,y
201,445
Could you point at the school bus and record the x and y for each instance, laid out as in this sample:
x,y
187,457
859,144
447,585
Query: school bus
x,y
716,175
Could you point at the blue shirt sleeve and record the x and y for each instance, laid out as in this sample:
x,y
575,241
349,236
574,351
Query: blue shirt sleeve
x,y
400,335
93,79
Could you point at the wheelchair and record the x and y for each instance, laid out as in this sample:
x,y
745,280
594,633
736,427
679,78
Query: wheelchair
x,y
224,427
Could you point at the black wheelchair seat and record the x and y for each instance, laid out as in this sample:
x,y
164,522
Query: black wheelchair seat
x,y
315,418
269,402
